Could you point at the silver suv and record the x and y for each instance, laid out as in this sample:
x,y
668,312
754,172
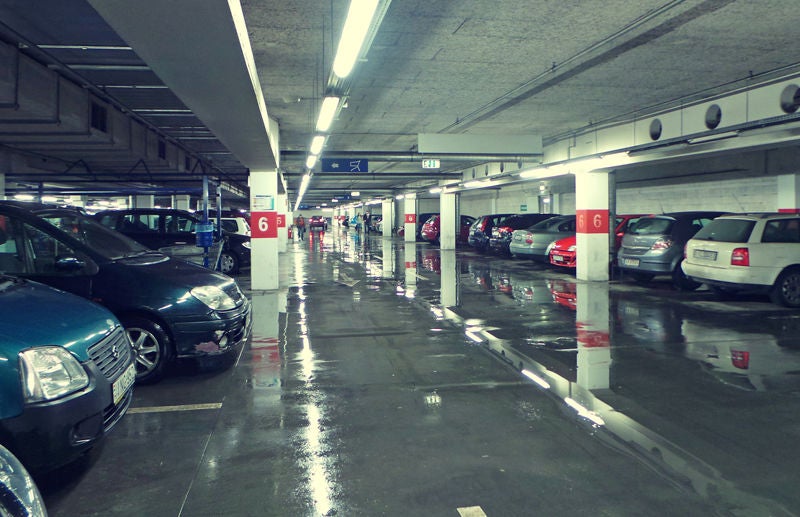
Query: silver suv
x,y
748,252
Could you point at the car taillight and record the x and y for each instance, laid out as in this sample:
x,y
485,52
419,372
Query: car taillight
x,y
662,244
740,257
505,229
740,359
529,240
483,225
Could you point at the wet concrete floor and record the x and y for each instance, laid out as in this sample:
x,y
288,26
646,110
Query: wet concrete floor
x,y
392,378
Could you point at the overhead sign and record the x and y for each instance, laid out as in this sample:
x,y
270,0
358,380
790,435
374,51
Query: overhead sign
x,y
344,165
431,164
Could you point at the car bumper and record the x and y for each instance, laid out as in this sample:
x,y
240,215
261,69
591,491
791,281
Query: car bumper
x,y
51,434
536,253
213,337
734,278
563,258
644,265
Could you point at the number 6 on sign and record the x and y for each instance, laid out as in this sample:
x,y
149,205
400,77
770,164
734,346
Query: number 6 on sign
x,y
264,225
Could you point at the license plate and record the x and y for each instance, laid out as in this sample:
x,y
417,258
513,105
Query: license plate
x,y
123,383
630,262
558,258
705,254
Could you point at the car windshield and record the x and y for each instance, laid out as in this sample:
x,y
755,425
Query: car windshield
x,y
652,226
108,243
726,230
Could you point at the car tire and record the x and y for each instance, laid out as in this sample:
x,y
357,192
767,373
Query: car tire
x,y
786,290
152,348
228,263
683,282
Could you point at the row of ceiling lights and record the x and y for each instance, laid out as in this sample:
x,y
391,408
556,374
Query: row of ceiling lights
x,y
356,26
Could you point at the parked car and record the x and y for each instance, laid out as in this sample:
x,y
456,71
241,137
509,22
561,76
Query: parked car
x,y
421,220
501,233
564,251
654,246
534,242
66,372
21,496
317,222
159,228
430,230
748,253
169,308
481,230
237,225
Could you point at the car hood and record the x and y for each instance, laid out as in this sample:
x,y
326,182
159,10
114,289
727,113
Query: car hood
x,y
71,321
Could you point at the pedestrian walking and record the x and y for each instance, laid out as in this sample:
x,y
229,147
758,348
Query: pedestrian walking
x,y
300,223
367,222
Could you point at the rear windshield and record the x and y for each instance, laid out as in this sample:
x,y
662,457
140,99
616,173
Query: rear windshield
x,y
726,230
555,224
652,226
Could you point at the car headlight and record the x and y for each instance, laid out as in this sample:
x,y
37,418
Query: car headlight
x,y
214,297
572,248
246,244
50,372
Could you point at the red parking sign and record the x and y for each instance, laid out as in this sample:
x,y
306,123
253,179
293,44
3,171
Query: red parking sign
x,y
264,225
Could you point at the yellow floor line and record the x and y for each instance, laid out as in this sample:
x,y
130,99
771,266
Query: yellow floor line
x,y
167,409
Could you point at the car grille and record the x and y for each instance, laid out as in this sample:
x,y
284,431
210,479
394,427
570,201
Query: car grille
x,y
112,353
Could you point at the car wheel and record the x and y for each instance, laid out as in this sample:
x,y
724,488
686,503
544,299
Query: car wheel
x,y
786,290
683,282
151,348
641,278
229,263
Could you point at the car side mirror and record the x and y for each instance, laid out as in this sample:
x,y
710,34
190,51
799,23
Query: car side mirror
x,y
74,264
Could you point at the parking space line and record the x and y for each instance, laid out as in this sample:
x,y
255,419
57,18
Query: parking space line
x,y
471,511
167,409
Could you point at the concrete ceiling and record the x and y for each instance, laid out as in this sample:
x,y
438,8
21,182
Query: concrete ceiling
x,y
465,66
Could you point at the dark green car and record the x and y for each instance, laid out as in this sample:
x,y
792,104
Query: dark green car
x,y
169,308
66,372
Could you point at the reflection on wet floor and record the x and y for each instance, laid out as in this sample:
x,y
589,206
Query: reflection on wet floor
x,y
602,398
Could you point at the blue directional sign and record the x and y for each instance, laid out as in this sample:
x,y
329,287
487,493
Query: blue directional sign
x,y
344,165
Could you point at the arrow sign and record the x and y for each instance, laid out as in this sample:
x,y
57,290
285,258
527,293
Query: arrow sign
x,y
344,165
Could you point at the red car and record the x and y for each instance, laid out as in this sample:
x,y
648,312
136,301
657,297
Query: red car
x,y
564,254
317,222
430,230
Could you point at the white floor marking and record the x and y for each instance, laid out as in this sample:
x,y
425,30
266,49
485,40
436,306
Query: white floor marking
x,y
471,511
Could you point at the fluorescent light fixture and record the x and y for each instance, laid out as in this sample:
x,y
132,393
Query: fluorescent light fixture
x,y
23,197
311,161
435,190
400,196
49,199
473,184
355,193
316,144
359,19
334,200
711,138
326,113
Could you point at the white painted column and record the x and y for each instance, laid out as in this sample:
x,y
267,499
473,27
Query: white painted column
x,y
591,209
448,220
410,207
181,201
283,222
144,201
264,229
592,329
410,257
789,193
387,212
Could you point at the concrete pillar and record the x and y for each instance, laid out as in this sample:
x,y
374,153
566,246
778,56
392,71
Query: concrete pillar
x,y
789,193
410,258
283,222
449,278
143,201
264,229
387,212
448,220
591,209
410,207
592,326
181,201
387,252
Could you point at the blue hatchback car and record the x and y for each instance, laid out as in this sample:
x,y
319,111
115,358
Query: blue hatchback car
x,y
169,308
66,373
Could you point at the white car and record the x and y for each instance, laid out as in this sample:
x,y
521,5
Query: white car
x,y
748,253
235,225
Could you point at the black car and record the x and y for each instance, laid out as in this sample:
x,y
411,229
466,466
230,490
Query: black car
x,y
501,234
169,308
481,230
159,228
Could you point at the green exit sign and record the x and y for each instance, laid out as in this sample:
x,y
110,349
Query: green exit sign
x,y
430,164
523,208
